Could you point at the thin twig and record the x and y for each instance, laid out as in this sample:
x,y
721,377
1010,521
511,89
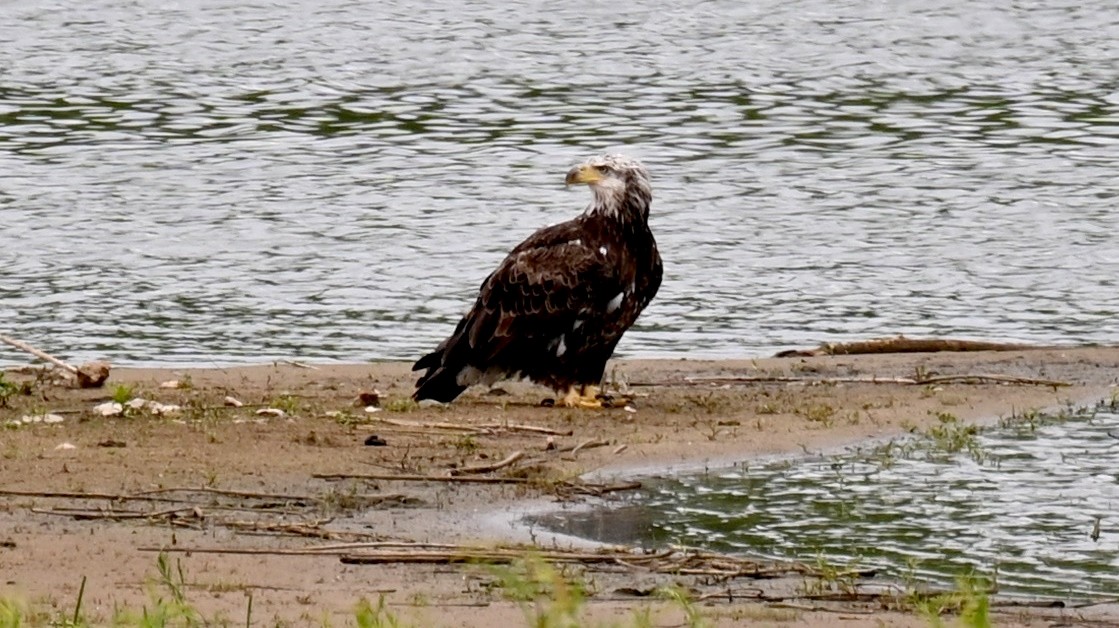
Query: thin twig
x,y
386,545
300,365
597,490
700,381
419,478
526,428
587,444
435,425
750,593
42,355
230,493
368,498
238,550
78,495
513,458
903,381
1007,379
109,514
669,561
561,487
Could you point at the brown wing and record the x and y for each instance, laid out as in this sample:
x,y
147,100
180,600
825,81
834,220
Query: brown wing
x,y
536,294
539,290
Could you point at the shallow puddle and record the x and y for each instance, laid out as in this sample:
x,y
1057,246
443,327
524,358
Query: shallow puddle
x,y
1022,500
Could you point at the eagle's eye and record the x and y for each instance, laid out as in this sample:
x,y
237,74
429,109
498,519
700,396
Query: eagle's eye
x,y
604,169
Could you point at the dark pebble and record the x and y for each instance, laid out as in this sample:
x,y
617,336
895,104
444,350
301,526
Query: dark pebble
x,y
375,441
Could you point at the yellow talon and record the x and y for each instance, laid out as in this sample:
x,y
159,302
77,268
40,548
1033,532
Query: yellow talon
x,y
584,397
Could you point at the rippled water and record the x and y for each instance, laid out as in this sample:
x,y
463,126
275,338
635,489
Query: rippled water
x,y
1026,510
233,181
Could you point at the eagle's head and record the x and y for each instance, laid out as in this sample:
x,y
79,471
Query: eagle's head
x,y
620,185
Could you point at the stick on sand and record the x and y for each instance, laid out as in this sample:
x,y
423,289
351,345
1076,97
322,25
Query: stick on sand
x,y
90,375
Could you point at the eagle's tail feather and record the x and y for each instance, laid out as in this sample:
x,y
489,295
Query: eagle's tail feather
x,y
429,361
440,384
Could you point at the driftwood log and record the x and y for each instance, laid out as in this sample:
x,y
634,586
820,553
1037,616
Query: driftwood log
x,y
901,344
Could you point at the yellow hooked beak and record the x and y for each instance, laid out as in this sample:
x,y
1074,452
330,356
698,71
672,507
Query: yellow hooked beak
x,y
583,174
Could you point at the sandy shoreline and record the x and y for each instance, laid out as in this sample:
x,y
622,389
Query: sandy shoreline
x,y
688,413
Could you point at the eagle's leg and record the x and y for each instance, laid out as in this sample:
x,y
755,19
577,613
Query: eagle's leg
x,y
582,397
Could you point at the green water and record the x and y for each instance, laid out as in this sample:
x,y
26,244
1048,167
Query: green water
x,y
1022,504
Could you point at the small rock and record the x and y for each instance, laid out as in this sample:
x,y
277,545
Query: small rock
x,y
276,412
368,398
630,409
65,446
112,443
430,403
372,409
93,374
173,383
550,444
136,404
375,441
161,409
497,391
109,408
233,401
548,403
52,418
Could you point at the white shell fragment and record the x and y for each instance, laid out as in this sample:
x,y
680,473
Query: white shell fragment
x,y
65,446
109,408
161,409
154,407
29,419
276,412
233,402
174,383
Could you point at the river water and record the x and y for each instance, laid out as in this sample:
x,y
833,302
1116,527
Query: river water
x,y
219,182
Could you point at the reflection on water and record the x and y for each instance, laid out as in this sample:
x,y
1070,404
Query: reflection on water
x,y
233,181
1026,510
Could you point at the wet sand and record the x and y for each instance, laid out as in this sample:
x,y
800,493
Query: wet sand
x,y
252,485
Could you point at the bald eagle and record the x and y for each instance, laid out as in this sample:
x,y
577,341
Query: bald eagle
x,y
558,304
